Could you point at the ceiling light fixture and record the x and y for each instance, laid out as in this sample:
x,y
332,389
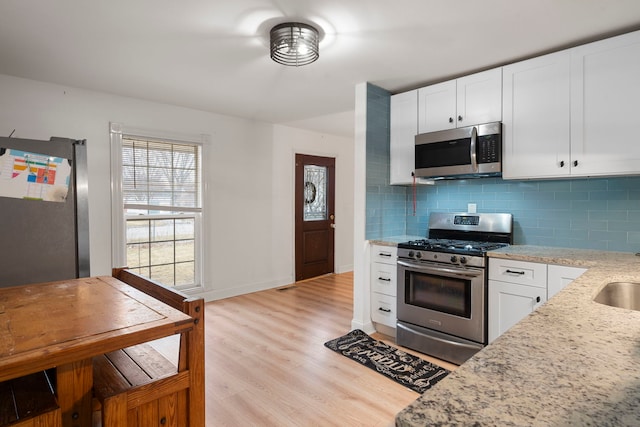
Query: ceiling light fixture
x,y
294,44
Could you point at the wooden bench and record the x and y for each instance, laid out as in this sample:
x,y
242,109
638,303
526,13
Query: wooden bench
x,y
29,401
138,386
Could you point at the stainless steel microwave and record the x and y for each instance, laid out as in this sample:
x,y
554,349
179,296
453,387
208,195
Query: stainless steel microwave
x,y
468,152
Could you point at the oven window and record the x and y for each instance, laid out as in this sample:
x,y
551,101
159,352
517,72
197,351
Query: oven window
x,y
439,293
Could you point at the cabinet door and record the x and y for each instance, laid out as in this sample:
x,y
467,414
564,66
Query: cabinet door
x,y
536,117
605,88
509,303
437,107
404,128
559,276
479,98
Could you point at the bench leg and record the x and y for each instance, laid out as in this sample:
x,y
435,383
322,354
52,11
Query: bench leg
x,y
74,383
114,411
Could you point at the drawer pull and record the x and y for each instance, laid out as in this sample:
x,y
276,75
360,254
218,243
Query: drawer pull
x,y
538,299
520,273
384,254
386,310
385,279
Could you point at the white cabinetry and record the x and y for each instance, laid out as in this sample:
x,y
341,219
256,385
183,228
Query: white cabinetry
x,y
383,284
559,276
605,89
467,101
403,130
516,288
570,113
536,117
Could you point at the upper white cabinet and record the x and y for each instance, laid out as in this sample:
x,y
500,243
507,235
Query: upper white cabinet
x,y
536,117
605,90
467,101
403,130
570,113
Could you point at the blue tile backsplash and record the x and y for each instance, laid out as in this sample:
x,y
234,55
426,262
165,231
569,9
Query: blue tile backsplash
x,y
596,213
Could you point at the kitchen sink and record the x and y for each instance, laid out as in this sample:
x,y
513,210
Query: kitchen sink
x,y
620,294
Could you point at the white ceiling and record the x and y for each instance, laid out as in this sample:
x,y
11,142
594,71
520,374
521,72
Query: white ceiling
x,y
212,54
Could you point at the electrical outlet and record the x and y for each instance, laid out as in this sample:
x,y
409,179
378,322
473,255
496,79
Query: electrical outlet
x,y
471,207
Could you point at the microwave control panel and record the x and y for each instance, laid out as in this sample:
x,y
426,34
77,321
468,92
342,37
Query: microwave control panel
x,y
489,148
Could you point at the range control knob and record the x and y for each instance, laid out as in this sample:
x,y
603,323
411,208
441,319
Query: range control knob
x,y
418,255
454,259
463,260
411,254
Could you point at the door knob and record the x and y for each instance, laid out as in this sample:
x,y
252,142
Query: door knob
x,y
333,226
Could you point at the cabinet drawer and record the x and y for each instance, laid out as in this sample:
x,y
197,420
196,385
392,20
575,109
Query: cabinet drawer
x,y
520,272
384,254
383,278
383,309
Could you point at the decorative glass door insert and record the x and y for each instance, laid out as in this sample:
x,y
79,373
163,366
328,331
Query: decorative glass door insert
x,y
315,193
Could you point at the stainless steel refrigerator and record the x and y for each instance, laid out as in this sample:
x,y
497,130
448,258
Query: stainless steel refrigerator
x,y
44,223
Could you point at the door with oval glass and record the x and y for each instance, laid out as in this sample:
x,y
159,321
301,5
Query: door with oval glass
x,y
315,215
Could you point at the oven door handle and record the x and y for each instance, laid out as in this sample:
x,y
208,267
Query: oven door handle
x,y
439,270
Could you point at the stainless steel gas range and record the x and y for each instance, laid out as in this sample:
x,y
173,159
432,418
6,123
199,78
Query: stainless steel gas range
x,y
442,284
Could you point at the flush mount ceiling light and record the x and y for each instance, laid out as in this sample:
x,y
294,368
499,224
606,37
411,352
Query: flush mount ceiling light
x,y
294,44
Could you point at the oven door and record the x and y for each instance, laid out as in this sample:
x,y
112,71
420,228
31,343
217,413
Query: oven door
x,y
444,298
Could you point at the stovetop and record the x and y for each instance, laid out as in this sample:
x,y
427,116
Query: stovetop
x,y
460,238
452,246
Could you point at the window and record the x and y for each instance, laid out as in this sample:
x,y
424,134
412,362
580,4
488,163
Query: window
x,y
161,209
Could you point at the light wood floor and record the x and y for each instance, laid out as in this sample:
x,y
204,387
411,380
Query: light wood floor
x,y
266,364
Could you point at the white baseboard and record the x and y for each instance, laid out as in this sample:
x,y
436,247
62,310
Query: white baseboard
x,y
216,294
365,327
344,268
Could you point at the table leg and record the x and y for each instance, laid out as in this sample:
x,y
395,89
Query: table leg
x,y
74,384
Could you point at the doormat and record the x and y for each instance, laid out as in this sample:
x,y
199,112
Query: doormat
x,y
404,368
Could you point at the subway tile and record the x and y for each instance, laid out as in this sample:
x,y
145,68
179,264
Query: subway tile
x,y
589,184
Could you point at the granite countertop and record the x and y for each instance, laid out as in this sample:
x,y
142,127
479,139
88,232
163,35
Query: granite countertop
x,y
394,240
572,362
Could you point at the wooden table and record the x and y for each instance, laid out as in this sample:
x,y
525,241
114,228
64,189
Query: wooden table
x,y
64,324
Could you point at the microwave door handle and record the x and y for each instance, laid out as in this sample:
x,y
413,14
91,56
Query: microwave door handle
x,y
472,149
440,270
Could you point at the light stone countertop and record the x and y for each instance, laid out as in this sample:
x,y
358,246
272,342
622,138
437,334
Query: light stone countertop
x,y
572,362
394,240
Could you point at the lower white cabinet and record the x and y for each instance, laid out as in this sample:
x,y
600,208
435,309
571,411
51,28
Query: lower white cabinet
x,y
509,303
559,276
383,284
517,288
383,309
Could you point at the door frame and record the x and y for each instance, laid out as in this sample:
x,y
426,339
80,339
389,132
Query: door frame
x,y
334,157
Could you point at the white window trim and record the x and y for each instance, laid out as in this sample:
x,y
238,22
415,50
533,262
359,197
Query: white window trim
x,y
118,229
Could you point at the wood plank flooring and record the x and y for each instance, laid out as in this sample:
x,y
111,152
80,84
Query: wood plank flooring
x,y
266,364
